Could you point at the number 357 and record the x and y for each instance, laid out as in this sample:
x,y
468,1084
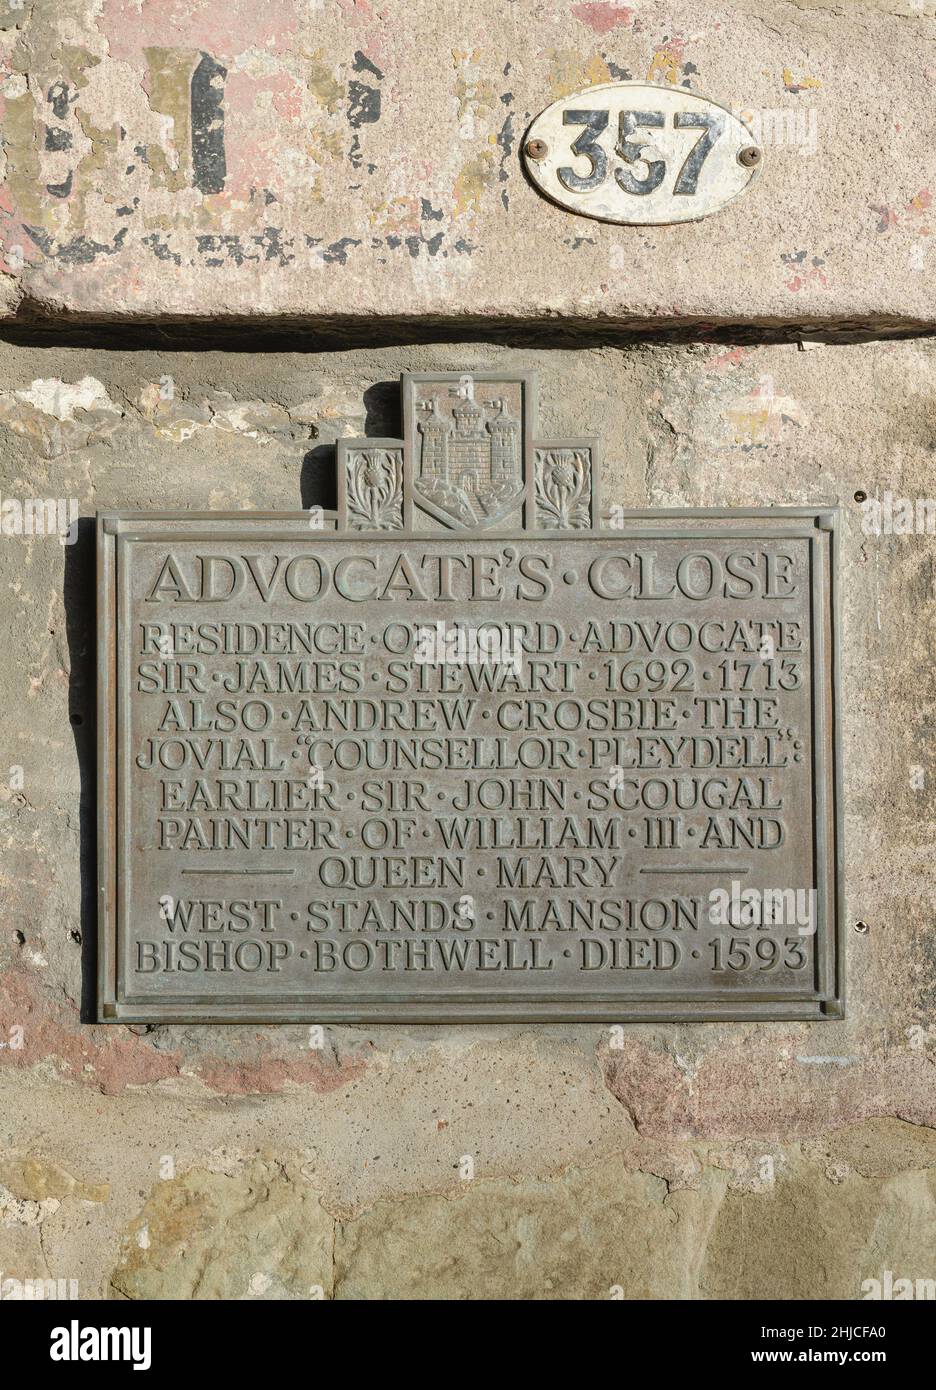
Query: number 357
x,y
710,128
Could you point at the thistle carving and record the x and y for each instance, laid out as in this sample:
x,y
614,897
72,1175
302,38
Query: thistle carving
x,y
375,490
563,489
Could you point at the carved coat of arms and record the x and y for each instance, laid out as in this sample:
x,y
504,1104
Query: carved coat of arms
x,y
470,460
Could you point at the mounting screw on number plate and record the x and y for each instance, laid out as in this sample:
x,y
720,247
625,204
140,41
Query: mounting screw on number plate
x,y
640,154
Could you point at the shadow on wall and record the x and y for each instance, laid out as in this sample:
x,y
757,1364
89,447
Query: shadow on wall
x,y
80,628
382,419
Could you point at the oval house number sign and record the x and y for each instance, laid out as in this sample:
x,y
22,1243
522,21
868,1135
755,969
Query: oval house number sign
x,y
634,152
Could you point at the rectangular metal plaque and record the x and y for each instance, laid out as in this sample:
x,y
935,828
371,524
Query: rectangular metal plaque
x,y
534,772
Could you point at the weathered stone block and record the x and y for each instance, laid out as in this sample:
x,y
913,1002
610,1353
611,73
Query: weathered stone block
x,y
349,161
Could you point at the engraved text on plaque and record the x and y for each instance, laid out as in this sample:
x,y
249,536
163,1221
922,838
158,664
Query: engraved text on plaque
x,y
468,747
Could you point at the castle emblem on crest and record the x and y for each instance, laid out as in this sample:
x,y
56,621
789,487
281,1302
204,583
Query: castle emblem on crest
x,y
469,459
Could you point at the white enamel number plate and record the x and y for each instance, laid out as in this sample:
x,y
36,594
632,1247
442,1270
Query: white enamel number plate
x,y
634,152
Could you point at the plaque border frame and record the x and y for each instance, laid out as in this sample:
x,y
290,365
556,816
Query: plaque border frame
x,y
827,1001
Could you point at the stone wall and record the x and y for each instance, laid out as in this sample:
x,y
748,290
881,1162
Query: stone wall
x,y
675,1161
594,1165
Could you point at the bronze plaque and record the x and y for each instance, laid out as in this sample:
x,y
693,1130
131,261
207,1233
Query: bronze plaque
x,y
470,747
